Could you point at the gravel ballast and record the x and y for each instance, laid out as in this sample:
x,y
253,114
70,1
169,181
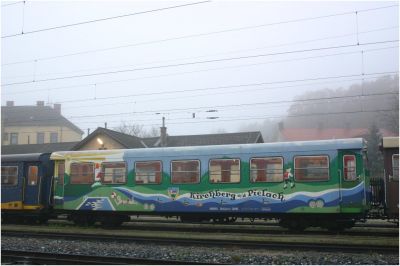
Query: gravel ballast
x,y
194,253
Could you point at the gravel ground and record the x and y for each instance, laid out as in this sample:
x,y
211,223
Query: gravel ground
x,y
194,253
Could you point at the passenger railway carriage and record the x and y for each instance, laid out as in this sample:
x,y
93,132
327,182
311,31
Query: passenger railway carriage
x,y
26,186
314,183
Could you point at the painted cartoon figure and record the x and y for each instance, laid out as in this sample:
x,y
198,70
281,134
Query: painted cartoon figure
x,y
288,178
97,176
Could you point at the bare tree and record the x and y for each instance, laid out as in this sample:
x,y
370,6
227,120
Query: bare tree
x,y
137,130
268,128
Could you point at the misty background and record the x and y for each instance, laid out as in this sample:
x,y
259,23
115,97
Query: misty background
x,y
207,67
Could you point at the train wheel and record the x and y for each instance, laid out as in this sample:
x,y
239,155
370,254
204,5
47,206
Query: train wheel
x,y
83,220
294,225
113,221
338,226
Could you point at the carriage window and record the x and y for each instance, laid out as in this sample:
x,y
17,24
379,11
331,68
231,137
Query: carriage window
x,y
266,169
148,172
185,172
82,173
224,171
60,173
395,164
113,173
311,168
349,167
9,175
33,172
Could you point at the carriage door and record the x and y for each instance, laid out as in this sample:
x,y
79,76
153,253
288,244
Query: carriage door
x,y
31,184
59,171
352,192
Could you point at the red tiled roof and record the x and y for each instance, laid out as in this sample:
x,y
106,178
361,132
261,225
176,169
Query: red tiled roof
x,y
292,134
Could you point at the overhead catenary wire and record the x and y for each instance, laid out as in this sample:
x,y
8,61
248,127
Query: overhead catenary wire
x,y
11,4
201,62
218,106
103,19
261,117
247,90
228,52
215,93
229,86
198,35
195,71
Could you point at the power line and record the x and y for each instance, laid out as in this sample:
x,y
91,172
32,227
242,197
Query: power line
x,y
242,85
219,106
231,86
201,62
103,19
20,2
196,71
235,105
230,52
215,93
267,117
230,92
199,35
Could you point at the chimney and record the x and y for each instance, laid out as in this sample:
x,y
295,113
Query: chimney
x,y
40,103
10,103
163,135
105,125
88,131
57,108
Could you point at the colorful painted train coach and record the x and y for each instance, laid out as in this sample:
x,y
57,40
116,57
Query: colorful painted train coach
x,y
312,183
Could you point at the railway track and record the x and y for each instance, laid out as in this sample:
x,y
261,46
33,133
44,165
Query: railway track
x,y
256,229
241,229
172,220
271,244
29,257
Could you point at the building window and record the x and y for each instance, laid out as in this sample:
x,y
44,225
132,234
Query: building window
x,y
266,169
395,165
185,172
40,138
33,173
53,137
113,173
60,173
14,138
311,168
5,137
349,167
224,170
9,175
82,173
148,172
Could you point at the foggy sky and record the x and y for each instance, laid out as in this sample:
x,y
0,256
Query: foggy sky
x,y
374,26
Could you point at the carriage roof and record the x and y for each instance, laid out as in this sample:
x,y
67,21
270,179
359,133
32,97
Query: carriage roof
x,y
278,147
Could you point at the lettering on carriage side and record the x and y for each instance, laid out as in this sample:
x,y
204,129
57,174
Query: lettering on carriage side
x,y
234,196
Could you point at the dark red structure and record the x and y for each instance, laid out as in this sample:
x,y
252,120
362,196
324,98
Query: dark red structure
x,y
390,150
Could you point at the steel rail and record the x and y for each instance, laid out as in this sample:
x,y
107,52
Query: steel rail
x,y
241,229
31,257
213,242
